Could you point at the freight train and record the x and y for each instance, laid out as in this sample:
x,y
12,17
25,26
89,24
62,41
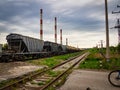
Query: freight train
x,y
21,47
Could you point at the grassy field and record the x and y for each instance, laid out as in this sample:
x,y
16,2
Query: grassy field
x,y
52,61
96,61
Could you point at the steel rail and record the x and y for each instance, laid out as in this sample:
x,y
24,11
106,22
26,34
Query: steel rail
x,y
59,76
34,74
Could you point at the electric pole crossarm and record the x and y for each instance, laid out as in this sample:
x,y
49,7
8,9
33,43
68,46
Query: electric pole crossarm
x,y
118,6
117,26
115,12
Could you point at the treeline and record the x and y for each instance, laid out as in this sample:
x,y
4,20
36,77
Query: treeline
x,y
4,46
113,49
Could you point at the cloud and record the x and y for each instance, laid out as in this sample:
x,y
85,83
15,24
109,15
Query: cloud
x,y
79,19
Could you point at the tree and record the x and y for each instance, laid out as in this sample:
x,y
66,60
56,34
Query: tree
x,y
118,48
5,46
113,49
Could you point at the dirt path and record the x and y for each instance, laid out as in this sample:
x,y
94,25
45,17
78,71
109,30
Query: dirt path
x,y
83,79
15,69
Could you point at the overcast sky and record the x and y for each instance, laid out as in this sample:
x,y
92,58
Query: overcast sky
x,y
82,21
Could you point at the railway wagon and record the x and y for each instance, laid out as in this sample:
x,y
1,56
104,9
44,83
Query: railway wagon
x,y
0,48
21,47
71,49
58,48
21,44
52,47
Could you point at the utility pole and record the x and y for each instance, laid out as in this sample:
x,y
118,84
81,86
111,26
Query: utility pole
x,y
118,23
107,31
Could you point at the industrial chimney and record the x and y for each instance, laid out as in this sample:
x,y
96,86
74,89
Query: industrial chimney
x,y
55,30
61,36
41,25
66,42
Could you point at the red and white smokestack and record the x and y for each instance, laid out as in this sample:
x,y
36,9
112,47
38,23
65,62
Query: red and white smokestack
x,y
55,30
41,25
66,42
61,36
118,22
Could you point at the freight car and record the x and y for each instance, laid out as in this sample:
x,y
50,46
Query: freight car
x,y
71,49
53,47
22,44
58,48
21,47
0,48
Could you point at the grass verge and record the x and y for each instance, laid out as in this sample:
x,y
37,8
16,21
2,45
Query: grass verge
x,y
91,62
52,61
96,61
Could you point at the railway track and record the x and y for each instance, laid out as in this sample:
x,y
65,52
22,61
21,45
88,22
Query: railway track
x,y
42,79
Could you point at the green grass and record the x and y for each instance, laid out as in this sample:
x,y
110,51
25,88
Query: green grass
x,y
113,64
94,59
41,83
54,73
6,82
91,63
52,61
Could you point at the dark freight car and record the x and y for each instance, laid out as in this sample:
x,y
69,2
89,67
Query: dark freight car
x,y
52,47
20,43
23,47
